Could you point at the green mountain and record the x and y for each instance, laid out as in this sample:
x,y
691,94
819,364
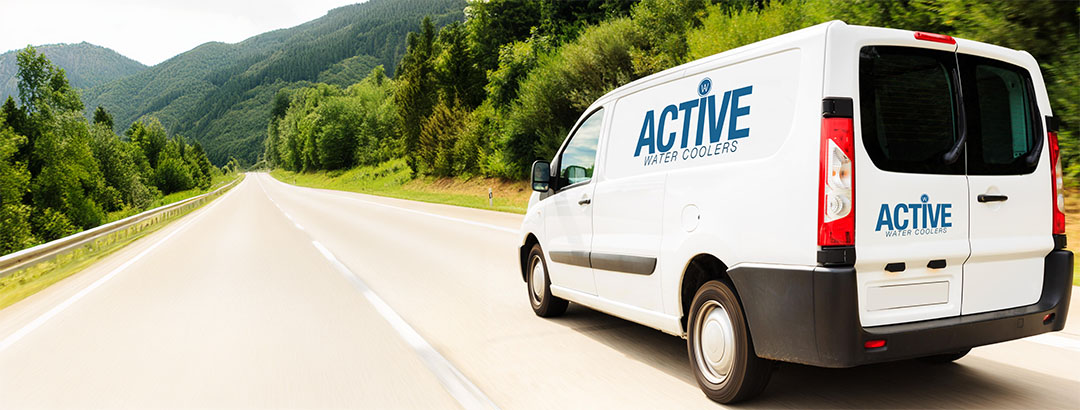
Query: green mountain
x,y
85,64
221,94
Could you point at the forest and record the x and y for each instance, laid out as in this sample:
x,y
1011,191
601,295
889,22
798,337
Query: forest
x,y
219,94
489,95
61,173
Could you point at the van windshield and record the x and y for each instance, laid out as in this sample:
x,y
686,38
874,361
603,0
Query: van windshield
x,y
908,111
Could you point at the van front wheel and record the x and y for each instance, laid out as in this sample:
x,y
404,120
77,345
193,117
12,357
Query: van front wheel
x,y
721,352
544,304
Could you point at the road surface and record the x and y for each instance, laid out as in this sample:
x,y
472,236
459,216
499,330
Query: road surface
x,y
287,297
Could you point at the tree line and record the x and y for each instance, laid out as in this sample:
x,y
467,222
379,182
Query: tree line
x,y
489,95
61,173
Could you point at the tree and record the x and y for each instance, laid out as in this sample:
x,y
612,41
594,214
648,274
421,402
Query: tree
x,y
415,83
172,174
102,117
150,136
497,22
15,230
35,71
70,178
459,79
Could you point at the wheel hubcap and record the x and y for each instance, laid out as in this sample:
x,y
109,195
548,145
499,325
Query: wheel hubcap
x,y
715,342
539,280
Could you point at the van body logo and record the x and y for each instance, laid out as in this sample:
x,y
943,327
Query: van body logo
x,y
921,218
662,142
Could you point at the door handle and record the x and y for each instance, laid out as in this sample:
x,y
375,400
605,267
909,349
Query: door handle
x,y
992,198
584,201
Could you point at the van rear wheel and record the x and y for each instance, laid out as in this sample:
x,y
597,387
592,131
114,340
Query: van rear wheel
x,y
544,304
721,351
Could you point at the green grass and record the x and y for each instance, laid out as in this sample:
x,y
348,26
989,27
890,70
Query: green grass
x,y
26,282
396,180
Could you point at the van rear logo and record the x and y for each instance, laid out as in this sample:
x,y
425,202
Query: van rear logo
x,y
920,218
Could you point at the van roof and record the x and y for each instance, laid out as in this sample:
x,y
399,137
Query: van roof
x,y
812,31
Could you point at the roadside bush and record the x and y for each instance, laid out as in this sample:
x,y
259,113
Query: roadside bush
x,y
563,85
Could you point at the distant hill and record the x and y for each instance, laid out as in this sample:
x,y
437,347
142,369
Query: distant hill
x,y
85,64
220,94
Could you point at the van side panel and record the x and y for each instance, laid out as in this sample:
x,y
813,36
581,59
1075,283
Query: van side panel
x,y
754,201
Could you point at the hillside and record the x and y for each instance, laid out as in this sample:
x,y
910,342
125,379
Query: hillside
x,y
86,66
220,94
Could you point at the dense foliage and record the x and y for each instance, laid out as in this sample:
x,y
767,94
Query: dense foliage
x,y
86,65
490,95
60,173
220,94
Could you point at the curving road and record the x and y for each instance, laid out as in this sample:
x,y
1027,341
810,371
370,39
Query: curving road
x,y
286,297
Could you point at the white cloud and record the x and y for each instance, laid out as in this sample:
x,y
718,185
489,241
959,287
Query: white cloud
x,y
149,31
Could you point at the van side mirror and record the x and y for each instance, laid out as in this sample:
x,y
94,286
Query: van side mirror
x,y
541,176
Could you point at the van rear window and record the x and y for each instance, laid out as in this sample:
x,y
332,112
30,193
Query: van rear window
x,y
1003,122
908,109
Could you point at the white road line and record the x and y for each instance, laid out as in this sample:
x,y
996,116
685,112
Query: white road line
x,y
466,393
1050,339
444,217
51,313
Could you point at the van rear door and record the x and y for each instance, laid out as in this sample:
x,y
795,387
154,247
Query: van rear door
x,y
911,193
1009,178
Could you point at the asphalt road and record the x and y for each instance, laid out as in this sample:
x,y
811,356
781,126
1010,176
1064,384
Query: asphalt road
x,y
286,297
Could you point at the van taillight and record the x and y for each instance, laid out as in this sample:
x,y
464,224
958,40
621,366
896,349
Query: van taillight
x,y
836,184
1058,185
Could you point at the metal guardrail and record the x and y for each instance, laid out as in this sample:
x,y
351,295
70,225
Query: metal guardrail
x,y
45,252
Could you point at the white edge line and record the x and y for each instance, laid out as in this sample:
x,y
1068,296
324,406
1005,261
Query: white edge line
x,y
448,218
463,390
444,217
51,313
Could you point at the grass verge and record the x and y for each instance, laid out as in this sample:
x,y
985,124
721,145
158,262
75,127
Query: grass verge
x,y
28,281
394,179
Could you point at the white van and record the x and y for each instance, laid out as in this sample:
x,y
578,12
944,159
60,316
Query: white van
x,y
836,196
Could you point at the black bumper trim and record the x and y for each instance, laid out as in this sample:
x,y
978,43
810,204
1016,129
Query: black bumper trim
x,y
811,316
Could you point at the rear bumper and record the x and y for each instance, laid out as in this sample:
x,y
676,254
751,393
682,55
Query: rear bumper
x,y
810,316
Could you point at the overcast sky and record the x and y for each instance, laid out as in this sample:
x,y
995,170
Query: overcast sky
x,y
150,31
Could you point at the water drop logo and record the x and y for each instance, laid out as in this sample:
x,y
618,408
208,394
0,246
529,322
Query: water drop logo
x,y
704,86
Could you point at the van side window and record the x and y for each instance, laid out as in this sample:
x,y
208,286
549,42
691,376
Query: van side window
x,y
578,160
908,109
1001,115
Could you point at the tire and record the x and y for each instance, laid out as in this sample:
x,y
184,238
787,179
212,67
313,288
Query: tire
x,y
544,304
946,358
721,351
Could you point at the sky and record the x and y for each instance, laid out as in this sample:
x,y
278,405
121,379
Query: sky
x,y
150,31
